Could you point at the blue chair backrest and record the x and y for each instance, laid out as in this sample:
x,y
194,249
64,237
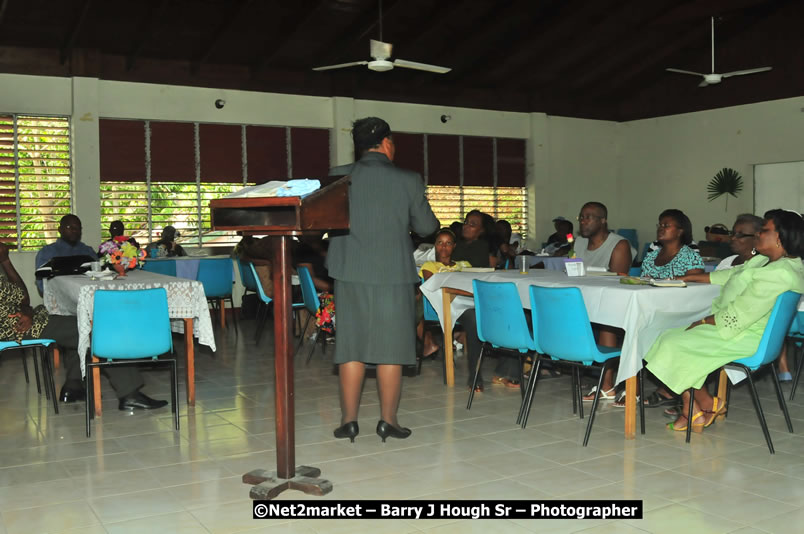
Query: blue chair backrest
x,y
309,294
216,276
167,267
797,326
635,271
564,331
775,331
429,312
263,297
246,276
130,324
646,249
631,235
500,318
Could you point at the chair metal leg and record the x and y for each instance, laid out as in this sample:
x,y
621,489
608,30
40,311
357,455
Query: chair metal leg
x,y
36,373
89,401
50,386
301,333
312,348
528,401
477,374
758,408
521,377
174,390
579,394
575,391
780,398
234,315
594,405
689,414
641,401
798,373
23,356
261,323
38,354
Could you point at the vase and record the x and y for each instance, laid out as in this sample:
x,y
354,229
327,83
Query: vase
x,y
121,271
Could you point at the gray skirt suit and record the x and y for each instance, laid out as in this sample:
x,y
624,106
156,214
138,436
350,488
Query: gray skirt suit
x,y
375,276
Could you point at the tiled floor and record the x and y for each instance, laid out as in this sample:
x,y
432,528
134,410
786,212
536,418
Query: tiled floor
x,y
136,474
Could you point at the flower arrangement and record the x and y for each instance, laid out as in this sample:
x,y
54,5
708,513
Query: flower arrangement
x,y
325,316
571,241
121,251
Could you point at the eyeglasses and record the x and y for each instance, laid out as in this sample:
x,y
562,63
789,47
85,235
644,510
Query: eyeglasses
x,y
738,235
666,225
587,217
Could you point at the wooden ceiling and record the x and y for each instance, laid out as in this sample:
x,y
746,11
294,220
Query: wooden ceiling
x,y
600,59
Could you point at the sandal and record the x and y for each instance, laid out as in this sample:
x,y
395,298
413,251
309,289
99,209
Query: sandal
x,y
696,427
505,382
716,413
604,395
654,400
478,388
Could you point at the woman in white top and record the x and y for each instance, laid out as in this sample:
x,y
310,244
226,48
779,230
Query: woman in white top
x,y
743,240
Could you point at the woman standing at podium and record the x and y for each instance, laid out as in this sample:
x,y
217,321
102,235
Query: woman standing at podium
x,y
375,276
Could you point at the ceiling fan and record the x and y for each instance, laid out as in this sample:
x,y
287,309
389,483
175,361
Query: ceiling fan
x,y
380,53
714,77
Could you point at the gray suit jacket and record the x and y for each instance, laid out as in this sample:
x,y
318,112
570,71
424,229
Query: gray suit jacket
x,y
385,204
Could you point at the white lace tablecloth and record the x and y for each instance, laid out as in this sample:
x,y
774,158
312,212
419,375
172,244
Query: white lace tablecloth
x,y
74,295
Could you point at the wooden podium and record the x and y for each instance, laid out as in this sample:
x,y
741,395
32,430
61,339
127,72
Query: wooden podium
x,y
281,218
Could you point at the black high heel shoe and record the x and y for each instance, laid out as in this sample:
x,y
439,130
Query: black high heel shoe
x,y
386,429
347,430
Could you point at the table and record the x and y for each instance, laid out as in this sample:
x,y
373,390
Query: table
x,y
187,266
73,295
643,312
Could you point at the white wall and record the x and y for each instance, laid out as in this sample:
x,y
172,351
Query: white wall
x,y
667,162
636,168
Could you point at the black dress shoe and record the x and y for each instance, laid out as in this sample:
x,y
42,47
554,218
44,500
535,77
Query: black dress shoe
x,y
72,394
386,429
348,430
140,400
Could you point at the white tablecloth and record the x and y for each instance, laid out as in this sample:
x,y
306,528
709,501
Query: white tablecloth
x,y
642,311
556,263
73,295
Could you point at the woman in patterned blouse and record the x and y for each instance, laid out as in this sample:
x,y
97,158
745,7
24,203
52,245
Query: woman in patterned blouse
x,y
674,258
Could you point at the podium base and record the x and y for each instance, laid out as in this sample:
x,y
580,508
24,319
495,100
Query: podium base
x,y
267,485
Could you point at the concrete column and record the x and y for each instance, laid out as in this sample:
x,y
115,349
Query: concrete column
x,y
538,177
343,114
86,158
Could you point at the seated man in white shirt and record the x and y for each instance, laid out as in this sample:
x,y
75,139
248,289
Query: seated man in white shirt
x,y
598,247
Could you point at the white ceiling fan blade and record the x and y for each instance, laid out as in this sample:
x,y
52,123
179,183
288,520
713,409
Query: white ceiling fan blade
x,y
342,65
380,50
680,71
703,83
746,71
421,66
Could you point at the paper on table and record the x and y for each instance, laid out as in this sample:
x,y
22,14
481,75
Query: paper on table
x,y
277,188
478,270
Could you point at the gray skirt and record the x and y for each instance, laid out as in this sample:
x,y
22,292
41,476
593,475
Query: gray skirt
x,y
375,323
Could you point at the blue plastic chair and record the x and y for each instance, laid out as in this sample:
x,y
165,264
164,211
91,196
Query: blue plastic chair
x,y
166,267
631,235
635,271
562,330
431,322
247,277
216,276
796,332
501,325
41,348
130,327
781,318
312,304
265,300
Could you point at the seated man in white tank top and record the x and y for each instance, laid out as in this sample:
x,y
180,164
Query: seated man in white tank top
x,y
598,247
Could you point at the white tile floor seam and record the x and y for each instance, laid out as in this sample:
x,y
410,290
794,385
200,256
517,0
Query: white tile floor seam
x,y
137,474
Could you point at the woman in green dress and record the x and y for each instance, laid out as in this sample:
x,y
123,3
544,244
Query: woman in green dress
x,y
683,357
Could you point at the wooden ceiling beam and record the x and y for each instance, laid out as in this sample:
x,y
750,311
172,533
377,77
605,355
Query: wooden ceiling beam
x,y
608,35
277,40
234,14
144,31
69,42
356,34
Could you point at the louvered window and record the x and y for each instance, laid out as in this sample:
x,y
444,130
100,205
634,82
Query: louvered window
x,y
452,203
155,174
34,179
